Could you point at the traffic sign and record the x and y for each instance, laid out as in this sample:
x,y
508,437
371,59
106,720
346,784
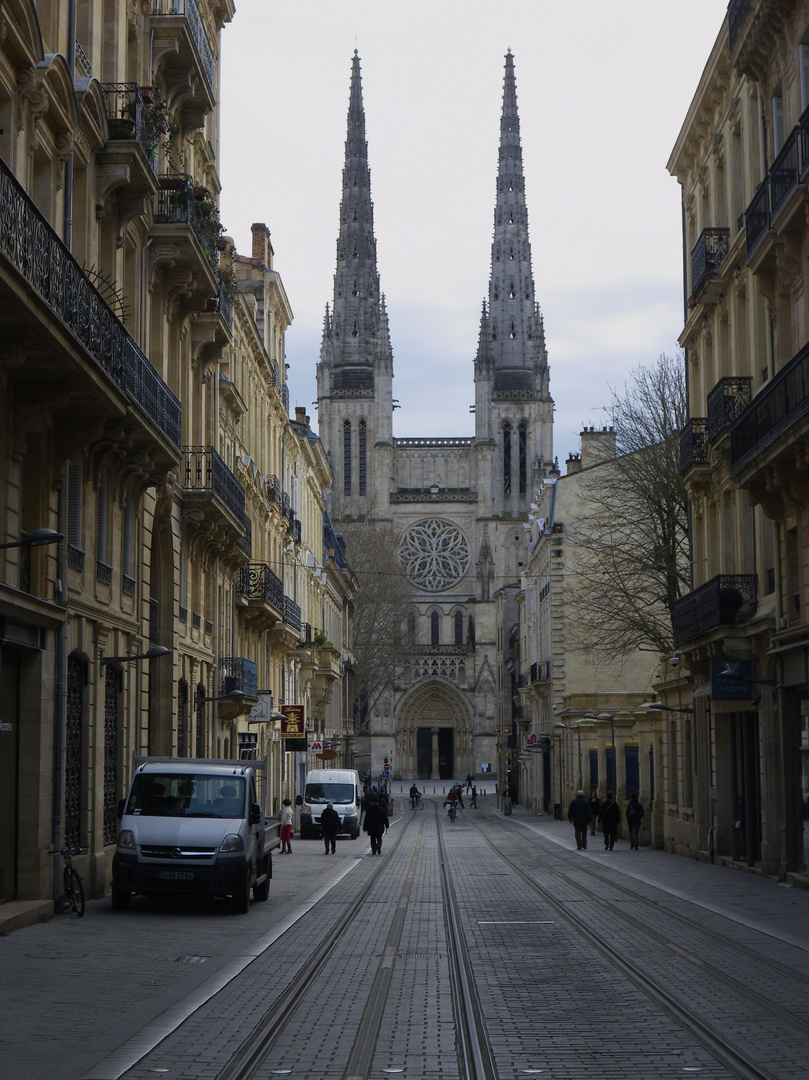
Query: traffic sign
x,y
386,774
316,747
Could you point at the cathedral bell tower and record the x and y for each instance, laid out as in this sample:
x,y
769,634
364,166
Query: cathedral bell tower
x,y
355,372
513,406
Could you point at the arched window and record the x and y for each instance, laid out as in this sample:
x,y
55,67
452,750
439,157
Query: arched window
x,y
362,457
346,457
459,628
523,458
507,459
435,629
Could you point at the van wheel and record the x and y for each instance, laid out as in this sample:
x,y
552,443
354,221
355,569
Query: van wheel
x,y
241,898
262,892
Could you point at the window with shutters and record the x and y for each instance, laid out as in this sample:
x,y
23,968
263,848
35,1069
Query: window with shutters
x,y
127,540
103,568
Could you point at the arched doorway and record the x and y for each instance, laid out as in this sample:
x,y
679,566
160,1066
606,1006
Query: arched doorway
x,y
434,732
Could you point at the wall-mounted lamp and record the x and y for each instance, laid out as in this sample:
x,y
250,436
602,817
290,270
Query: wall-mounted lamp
x,y
660,707
151,653
37,538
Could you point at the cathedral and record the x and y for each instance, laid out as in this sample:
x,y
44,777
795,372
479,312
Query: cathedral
x,y
458,504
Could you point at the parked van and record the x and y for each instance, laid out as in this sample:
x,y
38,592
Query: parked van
x,y
338,786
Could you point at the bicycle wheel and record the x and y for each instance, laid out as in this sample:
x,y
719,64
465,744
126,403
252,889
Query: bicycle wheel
x,y
74,890
420,805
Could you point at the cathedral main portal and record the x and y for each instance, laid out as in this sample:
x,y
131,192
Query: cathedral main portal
x,y
434,733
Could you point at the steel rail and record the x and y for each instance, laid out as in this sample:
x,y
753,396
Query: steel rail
x,y
476,1060
714,1042
248,1058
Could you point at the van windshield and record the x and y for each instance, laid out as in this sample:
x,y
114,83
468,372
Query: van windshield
x,y
167,794
323,793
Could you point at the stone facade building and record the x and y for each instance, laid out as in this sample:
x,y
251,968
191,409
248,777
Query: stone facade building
x,y
741,676
459,504
144,423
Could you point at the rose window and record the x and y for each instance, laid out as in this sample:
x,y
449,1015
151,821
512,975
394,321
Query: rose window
x,y
435,554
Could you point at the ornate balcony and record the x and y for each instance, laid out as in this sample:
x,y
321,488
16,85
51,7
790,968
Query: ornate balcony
x,y
97,349
214,498
292,614
540,672
772,206
181,41
129,121
236,673
694,443
726,600
707,256
262,592
191,224
726,401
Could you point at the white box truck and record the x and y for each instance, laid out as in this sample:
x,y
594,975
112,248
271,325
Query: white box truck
x,y
338,786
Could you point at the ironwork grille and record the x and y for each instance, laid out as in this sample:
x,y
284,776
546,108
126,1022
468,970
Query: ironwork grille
x,y
111,684
76,681
726,401
694,443
189,10
708,254
182,717
200,707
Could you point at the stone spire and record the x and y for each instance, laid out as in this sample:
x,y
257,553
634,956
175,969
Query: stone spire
x,y
512,335
356,343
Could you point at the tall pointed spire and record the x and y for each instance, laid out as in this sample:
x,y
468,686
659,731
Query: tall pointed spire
x,y
513,329
358,334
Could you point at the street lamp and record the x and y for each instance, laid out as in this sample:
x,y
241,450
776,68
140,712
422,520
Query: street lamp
x,y
152,653
658,706
37,538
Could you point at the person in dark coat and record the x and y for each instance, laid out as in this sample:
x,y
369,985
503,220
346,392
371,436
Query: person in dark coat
x,y
580,815
595,810
610,818
376,823
634,817
329,827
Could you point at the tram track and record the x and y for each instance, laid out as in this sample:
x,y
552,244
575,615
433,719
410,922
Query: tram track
x,y
715,1042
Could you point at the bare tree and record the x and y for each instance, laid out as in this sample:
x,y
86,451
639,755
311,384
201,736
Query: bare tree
x,y
381,606
632,545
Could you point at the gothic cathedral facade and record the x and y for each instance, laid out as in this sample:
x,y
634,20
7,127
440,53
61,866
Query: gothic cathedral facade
x,y
458,504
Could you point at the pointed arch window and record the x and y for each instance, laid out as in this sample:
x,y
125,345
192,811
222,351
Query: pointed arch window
x,y
511,292
523,458
355,291
346,457
507,459
513,331
355,329
435,629
363,462
459,628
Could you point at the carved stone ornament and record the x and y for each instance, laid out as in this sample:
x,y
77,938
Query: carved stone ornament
x,y
435,554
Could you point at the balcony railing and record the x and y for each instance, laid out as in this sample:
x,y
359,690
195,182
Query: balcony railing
x,y
779,404
694,443
127,118
782,179
245,541
292,613
784,172
224,303
707,256
237,673
258,582
726,401
205,470
177,205
540,671
37,253
726,600
188,9
439,650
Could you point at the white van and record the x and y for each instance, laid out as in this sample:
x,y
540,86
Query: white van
x,y
338,786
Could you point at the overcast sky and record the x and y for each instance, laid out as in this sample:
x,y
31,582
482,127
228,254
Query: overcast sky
x,y
602,86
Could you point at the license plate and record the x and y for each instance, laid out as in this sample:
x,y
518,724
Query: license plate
x,y
176,875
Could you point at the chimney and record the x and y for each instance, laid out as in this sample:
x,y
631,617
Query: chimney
x,y
300,416
597,446
262,248
573,464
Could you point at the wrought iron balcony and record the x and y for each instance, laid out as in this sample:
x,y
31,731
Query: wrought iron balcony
x,y
127,118
258,582
707,256
176,204
237,673
757,218
206,472
540,672
781,180
726,600
39,256
783,400
292,614
726,401
694,443
188,12
245,542
784,173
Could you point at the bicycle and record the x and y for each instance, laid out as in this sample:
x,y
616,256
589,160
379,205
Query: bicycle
x,y
417,803
74,890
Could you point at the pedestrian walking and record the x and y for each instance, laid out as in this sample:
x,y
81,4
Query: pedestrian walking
x,y
595,810
474,800
286,827
468,781
458,789
376,823
580,816
329,827
634,817
610,818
